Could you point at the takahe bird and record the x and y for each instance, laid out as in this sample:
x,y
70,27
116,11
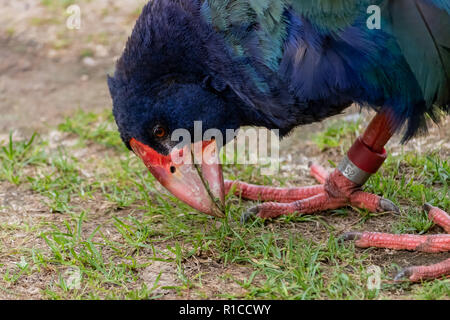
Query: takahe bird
x,y
280,64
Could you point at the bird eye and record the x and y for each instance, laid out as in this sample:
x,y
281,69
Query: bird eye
x,y
159,131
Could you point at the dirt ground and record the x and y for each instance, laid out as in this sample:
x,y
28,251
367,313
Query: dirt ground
x,y
48,71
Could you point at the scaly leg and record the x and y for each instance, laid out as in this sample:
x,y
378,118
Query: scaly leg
x,y
283,195
341,188
431,243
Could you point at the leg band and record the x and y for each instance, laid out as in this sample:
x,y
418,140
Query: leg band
x,y
361,162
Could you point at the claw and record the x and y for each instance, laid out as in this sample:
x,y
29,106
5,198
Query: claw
x,y
427,207
405,274
249,214
350,236
388,205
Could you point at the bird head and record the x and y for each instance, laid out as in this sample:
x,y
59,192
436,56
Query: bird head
x,y
177,70
177,130
165,101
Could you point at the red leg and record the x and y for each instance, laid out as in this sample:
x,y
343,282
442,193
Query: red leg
x,y
337,192
342,188
438,216
282,195
263,193
432,243
419,273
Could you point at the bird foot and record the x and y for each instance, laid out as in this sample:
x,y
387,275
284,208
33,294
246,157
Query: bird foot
x,y
334,191
424,243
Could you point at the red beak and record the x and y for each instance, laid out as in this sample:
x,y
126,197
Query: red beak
x,y
199,185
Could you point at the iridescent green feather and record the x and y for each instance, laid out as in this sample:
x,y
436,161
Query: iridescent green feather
x,y
332,15
263,17
423,37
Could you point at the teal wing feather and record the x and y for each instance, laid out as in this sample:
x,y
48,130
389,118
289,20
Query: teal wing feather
x,y
235,17
255,28
332,15
255,32
422,30
415,35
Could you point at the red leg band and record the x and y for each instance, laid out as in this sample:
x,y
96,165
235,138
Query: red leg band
x,y
364,158
367,154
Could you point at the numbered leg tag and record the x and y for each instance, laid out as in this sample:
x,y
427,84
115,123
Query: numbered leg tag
x,y
352,172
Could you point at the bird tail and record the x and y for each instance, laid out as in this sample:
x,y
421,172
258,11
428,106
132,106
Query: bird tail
x,y
422,30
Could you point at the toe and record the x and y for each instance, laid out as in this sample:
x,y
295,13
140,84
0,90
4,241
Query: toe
x,y
318,172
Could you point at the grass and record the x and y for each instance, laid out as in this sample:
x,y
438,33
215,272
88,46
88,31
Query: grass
x,y
57,3
110,233
337,134
60,182
422,179
16,156
71,248
91,127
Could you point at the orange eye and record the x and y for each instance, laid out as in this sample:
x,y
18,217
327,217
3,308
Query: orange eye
x,y
159,131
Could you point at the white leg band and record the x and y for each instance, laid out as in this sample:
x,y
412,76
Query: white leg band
x,y
352,172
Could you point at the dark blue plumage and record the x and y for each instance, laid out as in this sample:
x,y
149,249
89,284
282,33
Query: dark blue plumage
x,y
279,64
